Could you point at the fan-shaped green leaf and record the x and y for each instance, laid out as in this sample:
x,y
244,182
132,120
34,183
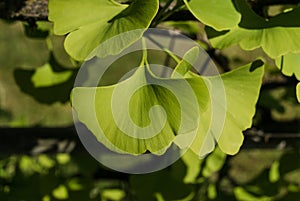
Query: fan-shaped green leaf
x,y
130,113
274,41
96,106
90,23
219,14
241,90
289,64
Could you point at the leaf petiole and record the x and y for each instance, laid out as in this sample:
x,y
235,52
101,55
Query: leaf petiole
x,y
145,54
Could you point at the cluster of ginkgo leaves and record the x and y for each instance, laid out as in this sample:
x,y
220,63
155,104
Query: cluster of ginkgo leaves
x,y
89,23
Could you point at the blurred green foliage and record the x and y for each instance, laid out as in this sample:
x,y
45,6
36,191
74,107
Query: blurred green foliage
x,y
253,174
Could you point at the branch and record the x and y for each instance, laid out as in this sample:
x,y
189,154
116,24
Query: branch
x,y
273,2
25,10
37,140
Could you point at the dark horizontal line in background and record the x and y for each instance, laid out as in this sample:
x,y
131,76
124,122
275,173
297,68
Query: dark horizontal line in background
x,y
35,140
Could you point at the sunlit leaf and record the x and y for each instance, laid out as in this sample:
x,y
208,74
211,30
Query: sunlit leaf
x,y
214,162
274,175
61,192
289,64
113,194
192,163
63,158
242,88
219,14
89,23
44,76
46,161
148,127
75,185
243,195
27,165
212,191
275,41
187,62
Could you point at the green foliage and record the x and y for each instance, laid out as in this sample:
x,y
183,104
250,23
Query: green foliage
x,y
212,13
250,39
289,64
42,83
230,137
35,60
90,23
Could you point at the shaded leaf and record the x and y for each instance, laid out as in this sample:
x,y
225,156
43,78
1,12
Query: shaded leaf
x,y
49,83
41,30
147,186
277,36
251,20
44,76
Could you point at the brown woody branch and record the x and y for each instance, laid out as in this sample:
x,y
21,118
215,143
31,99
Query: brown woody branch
x,y
24,9
38,9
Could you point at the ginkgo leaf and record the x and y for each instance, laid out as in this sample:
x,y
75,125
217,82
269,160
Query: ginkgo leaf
x,y
90,23
274,35
187,62
289,64
223,122
143,112
140,124
219,14
251,20
193,165
214,162
274,41
44,76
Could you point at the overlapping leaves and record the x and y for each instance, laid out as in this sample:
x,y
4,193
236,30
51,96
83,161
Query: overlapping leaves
x,y
95,108
90,23
278,36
